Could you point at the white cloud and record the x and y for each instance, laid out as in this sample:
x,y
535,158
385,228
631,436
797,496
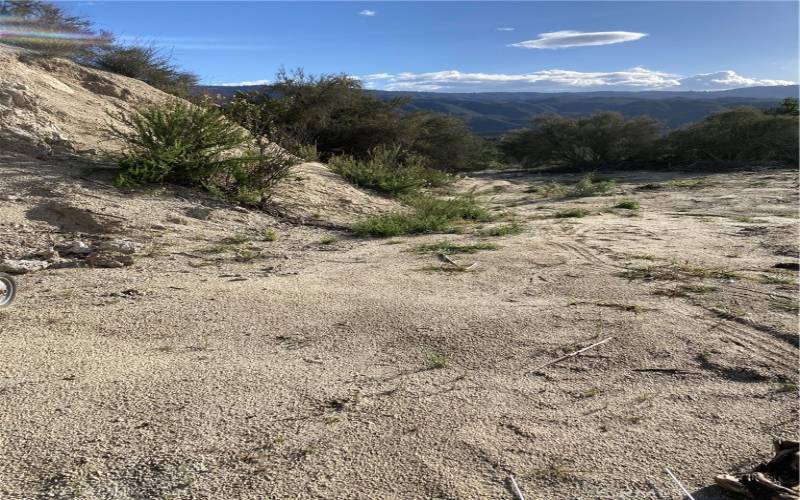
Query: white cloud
x,y
506,29
566,39
726,79
559,80
551,80
367,12
244,84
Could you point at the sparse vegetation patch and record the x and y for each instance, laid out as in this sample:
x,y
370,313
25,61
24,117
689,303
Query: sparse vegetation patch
x,y
451,248
428,215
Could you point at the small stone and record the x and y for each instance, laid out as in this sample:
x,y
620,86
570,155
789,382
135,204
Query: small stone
x,y
120,246
201,213
109,260
22,266
76,247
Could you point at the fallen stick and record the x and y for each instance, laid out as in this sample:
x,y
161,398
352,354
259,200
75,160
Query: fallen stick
x,y
515,488
572,354
447,259
684,490
674,371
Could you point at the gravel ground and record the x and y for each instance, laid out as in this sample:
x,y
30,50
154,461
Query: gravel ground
x,y
223,365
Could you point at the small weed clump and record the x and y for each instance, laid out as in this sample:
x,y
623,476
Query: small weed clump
x,y
269,235
451,248
689,183
236,239
784,305
428,215
677,273
390,171
502,230
627,204
729,313
436,361
328,240
590,393
571,213
588,187
771,279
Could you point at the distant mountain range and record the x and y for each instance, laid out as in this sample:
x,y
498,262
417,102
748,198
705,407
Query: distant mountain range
x,y
494,113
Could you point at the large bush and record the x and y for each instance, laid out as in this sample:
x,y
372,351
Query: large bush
x,y
338,117
143,63
736,136
188,145
602,140
448,143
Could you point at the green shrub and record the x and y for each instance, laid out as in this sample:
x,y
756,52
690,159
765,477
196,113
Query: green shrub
x,y
447,142
183,144
340,118
586,186
602,140
428,215
738,135
572,212
627,204
308,152
390,171
144,63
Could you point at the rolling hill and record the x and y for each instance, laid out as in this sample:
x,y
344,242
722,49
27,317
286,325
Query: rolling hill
x,y
494,113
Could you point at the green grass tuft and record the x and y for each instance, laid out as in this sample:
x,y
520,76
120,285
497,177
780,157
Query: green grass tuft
x,y
428,215
502,230
571,212
627,204
450,248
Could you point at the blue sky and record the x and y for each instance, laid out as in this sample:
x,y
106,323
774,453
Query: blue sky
x,y
473,46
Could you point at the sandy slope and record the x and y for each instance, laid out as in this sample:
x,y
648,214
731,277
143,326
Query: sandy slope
x,y
308,372
56,107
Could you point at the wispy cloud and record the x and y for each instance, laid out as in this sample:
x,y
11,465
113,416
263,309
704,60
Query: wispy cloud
x,y
244,84
559,80
506,29
566,39
367,12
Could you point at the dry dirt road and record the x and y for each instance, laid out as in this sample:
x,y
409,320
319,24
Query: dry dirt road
x,y
324,366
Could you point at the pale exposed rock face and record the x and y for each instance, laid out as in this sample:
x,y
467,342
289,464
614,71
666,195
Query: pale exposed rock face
x,y
56,106
22,266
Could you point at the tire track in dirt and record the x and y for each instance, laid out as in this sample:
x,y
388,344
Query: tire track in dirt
x,y
584,253
759,346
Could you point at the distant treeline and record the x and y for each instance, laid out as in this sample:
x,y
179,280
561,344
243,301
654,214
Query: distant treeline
x,y
737,137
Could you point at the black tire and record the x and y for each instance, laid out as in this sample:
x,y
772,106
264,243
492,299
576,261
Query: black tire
x,y
8,289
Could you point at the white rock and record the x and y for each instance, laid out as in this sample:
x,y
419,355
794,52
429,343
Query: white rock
x,y
126,247
76,247
22,266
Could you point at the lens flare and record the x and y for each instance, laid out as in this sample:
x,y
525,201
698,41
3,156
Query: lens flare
x,y
17,29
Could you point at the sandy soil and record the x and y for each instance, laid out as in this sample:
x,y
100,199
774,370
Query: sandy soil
x,y
322,366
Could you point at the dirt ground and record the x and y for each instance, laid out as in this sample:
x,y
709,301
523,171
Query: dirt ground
x,y
224,365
